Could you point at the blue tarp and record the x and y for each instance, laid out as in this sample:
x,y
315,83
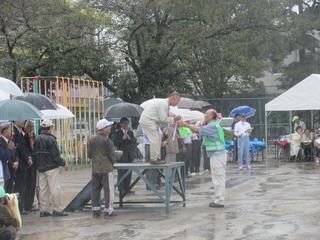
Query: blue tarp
x,y
255,145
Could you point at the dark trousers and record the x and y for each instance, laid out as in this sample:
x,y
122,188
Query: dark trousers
x,y
152,175
99,181
124,186
196,154
236,148
206,159
8,233
30,187
186,157
21,184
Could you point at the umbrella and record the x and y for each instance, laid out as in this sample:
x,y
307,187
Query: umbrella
x,y
108,102
60,113
187,115
9,87
38,100
189,103
243,110
124,109
14,110
4,95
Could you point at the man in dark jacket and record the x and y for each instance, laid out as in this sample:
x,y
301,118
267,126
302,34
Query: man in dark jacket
x,y
101,152
47,154
7,155
25,161
124,140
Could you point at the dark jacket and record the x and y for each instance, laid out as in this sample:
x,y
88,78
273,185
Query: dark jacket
x,y
101,152
46,152
22,148
127,146
6,157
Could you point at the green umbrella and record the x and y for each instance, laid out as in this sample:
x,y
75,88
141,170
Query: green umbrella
x,y
15,110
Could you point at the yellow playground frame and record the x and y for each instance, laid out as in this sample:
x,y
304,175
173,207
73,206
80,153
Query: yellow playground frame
x,y
84,98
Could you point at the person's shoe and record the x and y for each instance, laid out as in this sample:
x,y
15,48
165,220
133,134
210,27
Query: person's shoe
x,y
59,214
24,212
249,167
216,205
158,162
45,214
96,214
240,168
193,174
111,214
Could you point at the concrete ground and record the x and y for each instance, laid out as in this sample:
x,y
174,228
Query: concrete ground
x,y
275,203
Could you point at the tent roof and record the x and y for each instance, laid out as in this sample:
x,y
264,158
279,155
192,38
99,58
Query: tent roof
x,y
303,96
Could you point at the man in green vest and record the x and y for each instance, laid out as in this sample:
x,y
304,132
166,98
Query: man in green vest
x,y
213,140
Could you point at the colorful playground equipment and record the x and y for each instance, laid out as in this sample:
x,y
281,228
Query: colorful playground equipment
x,y
84,98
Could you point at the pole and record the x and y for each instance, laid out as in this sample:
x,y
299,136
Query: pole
x,y
266,135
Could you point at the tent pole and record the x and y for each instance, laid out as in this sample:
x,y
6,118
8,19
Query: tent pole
x,y
312,123
290,125
266,134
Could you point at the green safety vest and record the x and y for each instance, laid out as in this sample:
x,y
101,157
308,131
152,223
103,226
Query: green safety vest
x,y
214,146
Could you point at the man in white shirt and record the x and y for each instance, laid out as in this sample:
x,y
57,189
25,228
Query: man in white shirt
x,y
152,118
242,130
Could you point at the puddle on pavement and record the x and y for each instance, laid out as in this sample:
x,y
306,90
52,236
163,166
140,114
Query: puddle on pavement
x,y
57,235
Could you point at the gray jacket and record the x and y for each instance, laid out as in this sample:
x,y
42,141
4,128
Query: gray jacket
x,y
102,153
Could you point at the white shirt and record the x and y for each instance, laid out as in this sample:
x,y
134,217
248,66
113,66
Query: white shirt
x,y
241,128
7,140
157,112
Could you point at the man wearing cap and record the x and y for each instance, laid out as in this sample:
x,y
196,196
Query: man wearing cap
x,y
297,122
8,224
7,155
154,116
102,153
47,154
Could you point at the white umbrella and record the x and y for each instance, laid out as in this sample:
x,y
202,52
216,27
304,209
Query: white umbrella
x,y
9,87
4,95
61,113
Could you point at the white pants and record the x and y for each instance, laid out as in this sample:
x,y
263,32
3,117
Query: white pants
x,y
50,191
152,133
218,162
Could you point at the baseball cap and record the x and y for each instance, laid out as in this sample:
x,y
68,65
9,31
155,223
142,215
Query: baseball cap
x,y
101,124
46,123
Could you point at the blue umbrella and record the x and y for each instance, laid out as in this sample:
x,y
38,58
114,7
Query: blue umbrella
x,y
15,110
243,110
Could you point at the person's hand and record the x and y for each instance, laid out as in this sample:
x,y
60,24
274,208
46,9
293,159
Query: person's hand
x,y
30,162
15,165
177,118
11,145
66,167
10,200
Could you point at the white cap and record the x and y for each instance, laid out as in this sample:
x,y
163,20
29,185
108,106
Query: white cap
x,y
101,124
295,118
46,123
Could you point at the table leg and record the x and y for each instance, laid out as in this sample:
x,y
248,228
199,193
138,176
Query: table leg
x,y
167,189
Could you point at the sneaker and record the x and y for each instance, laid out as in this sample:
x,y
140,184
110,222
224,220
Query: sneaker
x,y
59,214
96,214
158,162
193,174
249,167
111,214
45,214
240,168
216,205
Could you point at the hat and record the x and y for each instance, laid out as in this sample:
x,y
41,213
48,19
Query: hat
x,y
101,124
2,192
46,123
4,126
295,118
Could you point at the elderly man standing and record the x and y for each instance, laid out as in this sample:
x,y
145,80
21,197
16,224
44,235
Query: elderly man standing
x,y
102,153
213,140
155,115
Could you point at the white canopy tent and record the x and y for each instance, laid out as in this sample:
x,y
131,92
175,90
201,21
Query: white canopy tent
x,y
303,96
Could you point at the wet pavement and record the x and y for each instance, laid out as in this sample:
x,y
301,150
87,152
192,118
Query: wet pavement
x,y
275,203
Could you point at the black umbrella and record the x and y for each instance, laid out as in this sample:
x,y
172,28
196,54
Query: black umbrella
x,y
39,101
189,103
124,109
